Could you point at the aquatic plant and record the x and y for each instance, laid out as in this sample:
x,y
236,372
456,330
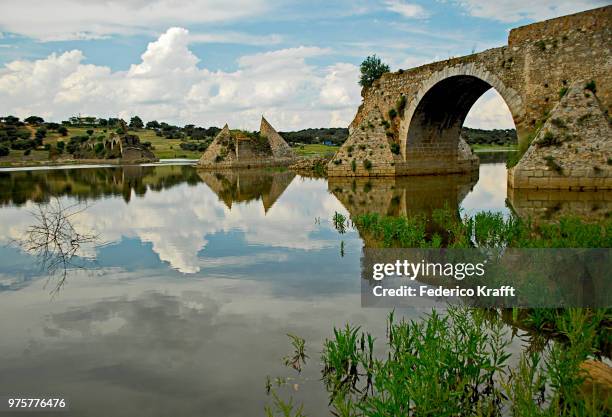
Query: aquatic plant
x,y
457,364
340,222
298,358
283,408
486,229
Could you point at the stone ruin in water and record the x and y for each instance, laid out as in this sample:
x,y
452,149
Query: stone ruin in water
x,y
232,149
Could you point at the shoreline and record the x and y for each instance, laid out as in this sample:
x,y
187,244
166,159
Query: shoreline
x,y
88,163
41,163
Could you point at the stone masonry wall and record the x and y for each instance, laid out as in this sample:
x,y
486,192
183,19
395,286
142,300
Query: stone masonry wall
x,y
366,152
573,150
280,148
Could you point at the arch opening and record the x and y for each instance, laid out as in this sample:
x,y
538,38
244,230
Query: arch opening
x,y
435,126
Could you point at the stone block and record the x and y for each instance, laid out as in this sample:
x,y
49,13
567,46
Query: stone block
x,y
539,182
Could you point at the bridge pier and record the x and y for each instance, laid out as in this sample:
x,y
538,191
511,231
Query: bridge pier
x,y
572,150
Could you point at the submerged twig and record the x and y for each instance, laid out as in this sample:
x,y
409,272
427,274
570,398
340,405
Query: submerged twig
x,y
53,239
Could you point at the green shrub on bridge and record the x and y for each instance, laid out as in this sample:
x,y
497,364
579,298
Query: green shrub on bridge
x,y
372,68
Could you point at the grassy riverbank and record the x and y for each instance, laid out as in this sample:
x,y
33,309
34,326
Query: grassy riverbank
x,y
493,148
315,150
162,147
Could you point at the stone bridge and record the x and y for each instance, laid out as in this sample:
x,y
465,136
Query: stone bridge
x,y
409,122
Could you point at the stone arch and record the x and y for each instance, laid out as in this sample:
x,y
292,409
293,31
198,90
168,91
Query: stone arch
x,y
432,120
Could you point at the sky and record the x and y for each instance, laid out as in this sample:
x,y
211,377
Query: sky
x,y
209,62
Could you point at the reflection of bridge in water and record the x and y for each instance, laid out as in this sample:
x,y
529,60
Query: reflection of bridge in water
x,y
401,196
238,186
553,204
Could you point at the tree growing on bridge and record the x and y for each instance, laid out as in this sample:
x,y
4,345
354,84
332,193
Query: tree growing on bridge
x,y
372,68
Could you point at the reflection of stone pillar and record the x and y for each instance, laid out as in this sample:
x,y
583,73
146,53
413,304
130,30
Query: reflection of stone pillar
x,y
247,185
395,196
400,196
552,204
280,182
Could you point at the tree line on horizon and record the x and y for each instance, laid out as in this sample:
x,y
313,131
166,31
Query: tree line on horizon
x,y
29,133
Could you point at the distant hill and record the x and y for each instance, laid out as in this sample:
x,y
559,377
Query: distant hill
x,y
337,136
30,133
489,137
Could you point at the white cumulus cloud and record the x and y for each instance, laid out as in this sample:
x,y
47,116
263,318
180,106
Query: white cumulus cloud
x,y
171,84
490,112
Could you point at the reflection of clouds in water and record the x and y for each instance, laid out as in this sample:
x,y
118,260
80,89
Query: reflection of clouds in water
x,y
191,345
291,220
490,191
177,220
7,280
241,261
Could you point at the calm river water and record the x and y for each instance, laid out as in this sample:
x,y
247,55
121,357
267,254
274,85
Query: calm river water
x,y
183,304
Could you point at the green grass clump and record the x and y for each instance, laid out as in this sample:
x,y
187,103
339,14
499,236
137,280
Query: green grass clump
x,y
553,164
458,365
557,122
513,159
394,231
484,229
541,45
400,105
549,139
591,86
395,148
562,92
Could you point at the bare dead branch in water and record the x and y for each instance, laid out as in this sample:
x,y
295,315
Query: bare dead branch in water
x,y
53,239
